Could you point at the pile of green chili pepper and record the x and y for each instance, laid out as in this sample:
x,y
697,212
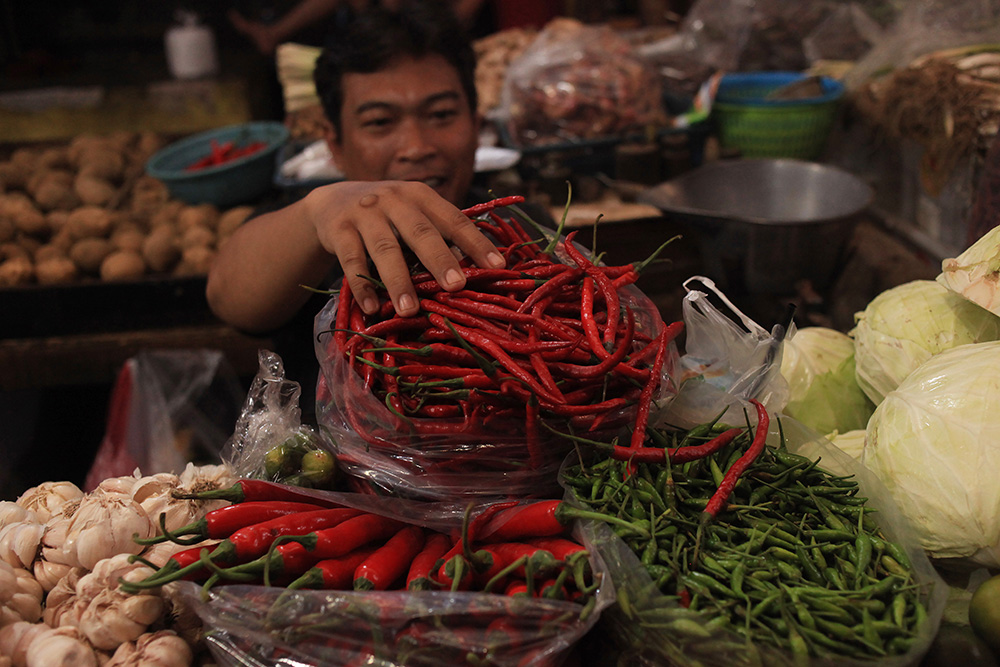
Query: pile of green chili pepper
x,y
791,559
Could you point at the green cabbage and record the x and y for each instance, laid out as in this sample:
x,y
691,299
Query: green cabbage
x,y
818,364
905,326
935,444
975,274
851,442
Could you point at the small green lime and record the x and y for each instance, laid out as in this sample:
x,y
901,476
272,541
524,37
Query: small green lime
x,y
319,466
984,612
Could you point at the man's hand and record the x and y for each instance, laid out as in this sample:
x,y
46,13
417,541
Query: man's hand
x,y
359,220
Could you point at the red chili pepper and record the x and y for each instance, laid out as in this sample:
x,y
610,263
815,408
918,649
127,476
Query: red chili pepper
x,y
486,207
333,573
544,518
418,578
300,551
224,521
601,279
732,476
257,489
254,541
646,399
390,561
681,454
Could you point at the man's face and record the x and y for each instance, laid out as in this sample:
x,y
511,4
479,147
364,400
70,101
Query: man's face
x,y
412,122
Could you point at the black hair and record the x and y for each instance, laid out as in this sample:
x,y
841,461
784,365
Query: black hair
x,y
378,36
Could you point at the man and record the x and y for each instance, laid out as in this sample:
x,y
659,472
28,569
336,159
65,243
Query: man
x,y
399,94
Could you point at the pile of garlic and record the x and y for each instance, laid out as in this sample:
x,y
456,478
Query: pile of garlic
x,y
62,554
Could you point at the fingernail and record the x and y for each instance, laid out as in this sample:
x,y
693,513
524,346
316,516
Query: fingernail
x,y
453,277
369,305
495,259
405,303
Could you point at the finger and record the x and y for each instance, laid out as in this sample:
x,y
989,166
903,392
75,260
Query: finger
x,y
387,255
354,261
430,247
462,231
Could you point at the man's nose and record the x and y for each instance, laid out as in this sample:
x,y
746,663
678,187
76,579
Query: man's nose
x,y
415,143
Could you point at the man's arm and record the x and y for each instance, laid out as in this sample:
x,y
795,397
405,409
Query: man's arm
x,y
256,281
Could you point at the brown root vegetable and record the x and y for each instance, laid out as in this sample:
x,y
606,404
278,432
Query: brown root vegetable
x,y
47,251
21,210
167,214
123,265
83,143
26,159
56,157
230,221
105,163
63,239
89,253
56,220
16,271
54,191
13,249
161,249
56,270
195,261
90,221
128,238
7,230
200,215
197,236
93,190
12,175
148,196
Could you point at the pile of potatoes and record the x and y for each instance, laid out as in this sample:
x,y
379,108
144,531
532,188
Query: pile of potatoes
x,y
86,211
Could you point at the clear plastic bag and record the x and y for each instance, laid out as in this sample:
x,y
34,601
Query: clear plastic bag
x,y
270,441
167,408
651,628
248,626
724,362
461,457
577,82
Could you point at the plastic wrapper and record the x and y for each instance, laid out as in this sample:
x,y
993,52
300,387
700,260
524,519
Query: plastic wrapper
x,y
724,361
577,82
492,455
270,441
167,408
247,626
649,627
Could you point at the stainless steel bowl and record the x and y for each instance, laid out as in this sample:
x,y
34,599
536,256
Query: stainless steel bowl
x,y
764,224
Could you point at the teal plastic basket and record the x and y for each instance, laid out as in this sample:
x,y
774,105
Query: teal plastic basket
x,y
747,122
239,181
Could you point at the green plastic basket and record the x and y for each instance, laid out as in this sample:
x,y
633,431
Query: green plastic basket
x,y
748,122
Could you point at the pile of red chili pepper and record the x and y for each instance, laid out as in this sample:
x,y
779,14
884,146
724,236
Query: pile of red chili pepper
x,y
470,383
273,534
223,153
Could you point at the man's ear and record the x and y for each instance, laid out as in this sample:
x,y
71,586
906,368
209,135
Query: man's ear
x,y
332,140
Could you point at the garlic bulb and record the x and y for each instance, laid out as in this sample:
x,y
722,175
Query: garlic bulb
x,y
154,649
118,485
103,526
20,542
207,477
48,497
53,542
11,512
60,602
60,647
108,616
20,596
15,639
49,574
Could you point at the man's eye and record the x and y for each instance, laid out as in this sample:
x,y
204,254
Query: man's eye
x,y
376,122
443,114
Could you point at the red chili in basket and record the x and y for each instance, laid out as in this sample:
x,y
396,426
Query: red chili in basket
x,y
302,550
257,489
488,206
224,521
390,561
544,518
732,476
333,573
418,577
